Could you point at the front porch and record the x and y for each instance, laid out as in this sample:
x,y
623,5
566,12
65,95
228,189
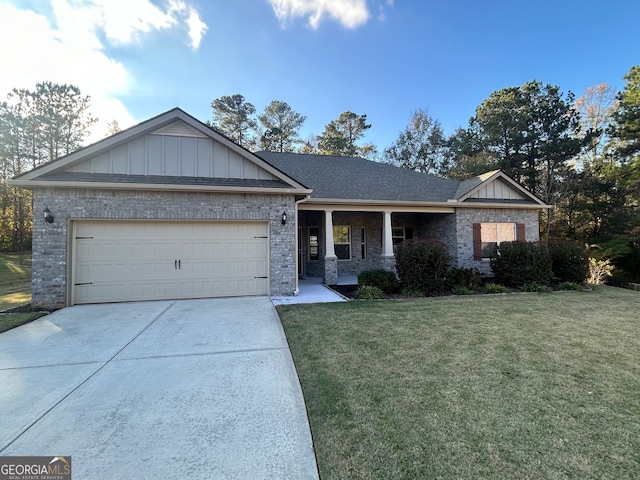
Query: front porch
x,y
337,244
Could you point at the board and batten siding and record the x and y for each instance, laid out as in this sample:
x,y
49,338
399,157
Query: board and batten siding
x,y
498,190
174,152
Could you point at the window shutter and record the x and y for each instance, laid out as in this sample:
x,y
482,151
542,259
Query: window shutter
x,y
477,242
520,234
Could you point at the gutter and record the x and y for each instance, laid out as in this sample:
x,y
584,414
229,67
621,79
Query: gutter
x,y
174,187
296,292
408,206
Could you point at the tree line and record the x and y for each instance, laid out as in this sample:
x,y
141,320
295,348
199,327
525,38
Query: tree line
x,y
580,155
36,126
277,129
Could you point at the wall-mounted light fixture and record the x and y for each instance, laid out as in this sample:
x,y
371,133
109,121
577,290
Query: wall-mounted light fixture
x,y
48,216
284,218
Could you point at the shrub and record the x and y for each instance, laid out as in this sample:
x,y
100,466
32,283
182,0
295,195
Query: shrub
x,y
570,286
522,262
569,261
469,278
368,292
624,254
496,288
460,290
599,271
385,280
423,265
534,287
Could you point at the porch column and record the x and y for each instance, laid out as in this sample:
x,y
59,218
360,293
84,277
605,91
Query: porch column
x,y
330,258
387,240
387,259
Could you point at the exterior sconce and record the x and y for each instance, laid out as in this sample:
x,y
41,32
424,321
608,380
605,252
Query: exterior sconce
x,y
48,216
284,218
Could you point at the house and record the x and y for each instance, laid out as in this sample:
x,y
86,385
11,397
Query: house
x,y
172,209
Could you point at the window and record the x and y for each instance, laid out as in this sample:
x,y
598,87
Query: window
x,y
487,237
314,245
342,242
363,244
400,234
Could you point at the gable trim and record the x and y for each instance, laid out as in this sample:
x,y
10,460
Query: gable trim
x,y
178,129
499,174
30,178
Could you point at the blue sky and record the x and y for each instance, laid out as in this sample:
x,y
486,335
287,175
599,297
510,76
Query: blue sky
x,y
382,58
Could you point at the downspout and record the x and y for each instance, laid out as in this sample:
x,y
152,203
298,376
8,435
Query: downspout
x,y
303,199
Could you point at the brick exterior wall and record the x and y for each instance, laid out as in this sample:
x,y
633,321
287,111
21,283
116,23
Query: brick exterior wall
x,y
442,227
51,242
466,217
455,230
372,224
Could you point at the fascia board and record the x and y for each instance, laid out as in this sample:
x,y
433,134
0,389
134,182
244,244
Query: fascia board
x,y
520,206
381,205
32,184
374,205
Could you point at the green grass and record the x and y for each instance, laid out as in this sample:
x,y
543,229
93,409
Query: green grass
x,y
516,386
15,290
12,320
15,281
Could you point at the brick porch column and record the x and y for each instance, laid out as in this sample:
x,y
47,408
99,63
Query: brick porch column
x,y
330,258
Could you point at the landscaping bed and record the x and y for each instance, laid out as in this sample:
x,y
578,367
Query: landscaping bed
x,y
350,291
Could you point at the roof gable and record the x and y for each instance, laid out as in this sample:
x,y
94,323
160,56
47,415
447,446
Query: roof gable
x,y
170,149
175,150
494,186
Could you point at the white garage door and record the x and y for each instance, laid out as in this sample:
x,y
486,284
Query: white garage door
x,y
115,261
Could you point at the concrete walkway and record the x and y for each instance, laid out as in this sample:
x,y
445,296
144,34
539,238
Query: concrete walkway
x,y
196,389
311,290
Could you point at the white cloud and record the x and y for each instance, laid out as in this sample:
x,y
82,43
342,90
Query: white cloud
x,y
197,27
124,22
350,13
67,44
191,18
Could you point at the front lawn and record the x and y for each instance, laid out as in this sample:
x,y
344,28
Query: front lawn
x,y
15,290
535,386
15,281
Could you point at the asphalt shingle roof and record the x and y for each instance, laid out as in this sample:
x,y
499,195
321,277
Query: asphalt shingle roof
x,y
352,178
468,185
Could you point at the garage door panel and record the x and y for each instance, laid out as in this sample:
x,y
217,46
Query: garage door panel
x,y
120,261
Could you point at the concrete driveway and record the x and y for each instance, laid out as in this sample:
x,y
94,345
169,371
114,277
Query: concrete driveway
x,y
197,389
